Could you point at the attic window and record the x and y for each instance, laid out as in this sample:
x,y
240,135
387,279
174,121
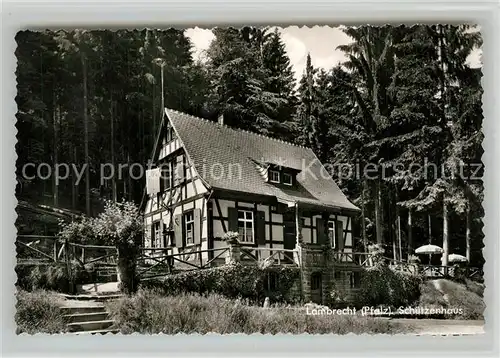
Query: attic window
x,y
170,135
287,179
274,176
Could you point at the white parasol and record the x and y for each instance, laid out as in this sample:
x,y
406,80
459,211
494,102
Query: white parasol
x,y
429,250
456,258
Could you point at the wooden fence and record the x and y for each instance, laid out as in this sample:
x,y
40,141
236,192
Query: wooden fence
x,y
154,262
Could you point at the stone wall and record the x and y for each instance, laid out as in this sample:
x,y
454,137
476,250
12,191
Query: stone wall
x,y
318,261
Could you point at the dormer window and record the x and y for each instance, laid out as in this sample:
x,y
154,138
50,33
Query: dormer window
x,y
287,179
274,176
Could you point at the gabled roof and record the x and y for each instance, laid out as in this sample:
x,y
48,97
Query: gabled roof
x,y
212,146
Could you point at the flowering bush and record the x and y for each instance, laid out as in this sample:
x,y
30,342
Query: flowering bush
x,y
231,237
80,230
120,224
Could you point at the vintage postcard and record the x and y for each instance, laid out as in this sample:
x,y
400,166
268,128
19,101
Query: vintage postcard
x,y
322,180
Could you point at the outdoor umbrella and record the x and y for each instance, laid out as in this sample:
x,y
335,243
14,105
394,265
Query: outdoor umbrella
x,y
429,250
456,258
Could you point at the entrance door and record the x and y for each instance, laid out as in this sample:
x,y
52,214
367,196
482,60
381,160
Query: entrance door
x,y
289,233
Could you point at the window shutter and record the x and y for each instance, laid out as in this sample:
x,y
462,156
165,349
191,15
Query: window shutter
x,y
339,233
260,228
177,225
320,232
232,219
197,226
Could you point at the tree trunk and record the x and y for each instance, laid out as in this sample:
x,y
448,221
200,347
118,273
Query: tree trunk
x,y
467,233
129,179
74,188
445,235
430,228
86,135
400,251
410,234
126,268
113,179
363,223
378,212
55,191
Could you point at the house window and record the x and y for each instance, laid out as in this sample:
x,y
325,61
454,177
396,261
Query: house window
x,y
316,281
355,279
331,233
170,134
156,234
274,176
166,175
188,228
272,283
158,200
246,225
287,179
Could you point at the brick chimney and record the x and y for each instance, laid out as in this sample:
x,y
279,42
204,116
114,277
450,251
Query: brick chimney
x,y
220,120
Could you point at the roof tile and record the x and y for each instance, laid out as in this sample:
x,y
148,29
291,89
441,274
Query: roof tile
x,y
226,159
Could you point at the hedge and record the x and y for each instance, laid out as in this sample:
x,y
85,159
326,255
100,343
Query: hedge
x,y
233,281
381,285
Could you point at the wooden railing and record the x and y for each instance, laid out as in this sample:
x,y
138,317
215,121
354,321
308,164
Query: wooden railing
x,y
272,255
154,262
359,258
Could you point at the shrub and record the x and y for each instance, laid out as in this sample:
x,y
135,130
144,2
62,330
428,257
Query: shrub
x,y
53,277
121,225
38,312
234,280
150,312
381,285
452,295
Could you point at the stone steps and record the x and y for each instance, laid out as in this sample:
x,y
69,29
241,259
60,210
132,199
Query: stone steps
x,y
90,325
87,317
99,331
87,314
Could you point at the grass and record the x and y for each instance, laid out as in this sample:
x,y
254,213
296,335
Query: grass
x,y
149,312
454,295
38,312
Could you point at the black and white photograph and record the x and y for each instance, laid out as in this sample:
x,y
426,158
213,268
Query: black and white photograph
x,y
253,179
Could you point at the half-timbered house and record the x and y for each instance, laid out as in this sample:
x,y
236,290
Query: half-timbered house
x,y
208,179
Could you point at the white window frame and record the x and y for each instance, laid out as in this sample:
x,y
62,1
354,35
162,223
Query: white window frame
x,y
189,223
170,135
169,177
333,232
289,183
248,217
157,233
271,172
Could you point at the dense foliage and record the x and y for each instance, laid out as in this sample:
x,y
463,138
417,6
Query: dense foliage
x,y
234,281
